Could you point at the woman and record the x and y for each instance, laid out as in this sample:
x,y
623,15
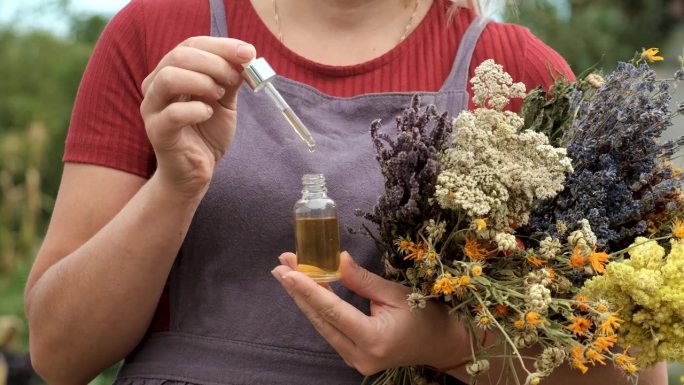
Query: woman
x,y
171,208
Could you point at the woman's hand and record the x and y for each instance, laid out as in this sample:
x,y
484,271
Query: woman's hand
x,y
391,336
189,109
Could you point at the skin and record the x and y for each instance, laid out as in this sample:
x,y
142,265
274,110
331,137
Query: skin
x,y
113,236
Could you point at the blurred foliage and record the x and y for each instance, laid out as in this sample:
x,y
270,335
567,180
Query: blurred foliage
x,y
590,32
39,76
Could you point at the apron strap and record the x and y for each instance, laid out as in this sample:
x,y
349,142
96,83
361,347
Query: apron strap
x,y
458,77
219,25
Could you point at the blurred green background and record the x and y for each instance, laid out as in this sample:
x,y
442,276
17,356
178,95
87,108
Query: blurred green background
x,y
41,62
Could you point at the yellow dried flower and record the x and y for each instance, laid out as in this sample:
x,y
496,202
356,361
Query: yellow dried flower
x,y
476,270
604,343
577,355
533,318
483,321
480,224
609,324
625,362
602,308
651,55
444,285
594,356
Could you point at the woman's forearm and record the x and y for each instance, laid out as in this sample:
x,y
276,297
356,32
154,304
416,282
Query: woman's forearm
x,y
90,308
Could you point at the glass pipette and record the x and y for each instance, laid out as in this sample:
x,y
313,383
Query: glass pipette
x,y
259,75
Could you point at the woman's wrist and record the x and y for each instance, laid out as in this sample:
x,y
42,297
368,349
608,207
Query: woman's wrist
x,y
186,196
455,352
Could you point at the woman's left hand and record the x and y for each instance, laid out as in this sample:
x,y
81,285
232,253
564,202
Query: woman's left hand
x,y
391,336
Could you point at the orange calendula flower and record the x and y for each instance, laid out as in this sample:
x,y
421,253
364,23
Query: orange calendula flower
x,y
604,343
500,310
519,324
533,318
404,244
579,325
416,251
651,55
473,250
577,354
581,306
594,357
535,261
625,362
444,285
609,324
598,261
577,260
678,229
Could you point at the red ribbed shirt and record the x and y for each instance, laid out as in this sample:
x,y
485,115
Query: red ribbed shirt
x,y
106,128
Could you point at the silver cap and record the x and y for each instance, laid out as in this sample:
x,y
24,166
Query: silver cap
x,y
258,73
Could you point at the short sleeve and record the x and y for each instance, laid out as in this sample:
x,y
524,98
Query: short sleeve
x,y
106,127
543,63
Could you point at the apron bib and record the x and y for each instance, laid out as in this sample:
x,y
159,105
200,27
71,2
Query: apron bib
x,y
231,322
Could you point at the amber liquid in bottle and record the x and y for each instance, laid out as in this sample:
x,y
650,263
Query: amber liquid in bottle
x,y
317,233
318,247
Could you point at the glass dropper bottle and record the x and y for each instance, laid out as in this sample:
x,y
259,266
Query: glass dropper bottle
x,y
317,233
259,75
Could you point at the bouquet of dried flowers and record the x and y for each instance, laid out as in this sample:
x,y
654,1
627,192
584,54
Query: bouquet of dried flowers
x,y
557,228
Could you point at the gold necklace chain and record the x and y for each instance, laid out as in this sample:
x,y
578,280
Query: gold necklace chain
x,y
407,29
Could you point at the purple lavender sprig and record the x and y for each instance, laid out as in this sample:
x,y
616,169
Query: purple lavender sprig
x,y
409,164
620,167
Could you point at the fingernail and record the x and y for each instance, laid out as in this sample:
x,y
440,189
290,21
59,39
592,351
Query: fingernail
x,y
210,110
221,91
246,51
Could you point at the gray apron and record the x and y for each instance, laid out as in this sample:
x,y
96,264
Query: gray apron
x,y
231,322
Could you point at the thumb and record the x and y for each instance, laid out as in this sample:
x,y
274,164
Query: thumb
x,y
369,285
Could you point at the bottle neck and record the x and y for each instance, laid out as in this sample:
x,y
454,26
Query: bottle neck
x,y
313,186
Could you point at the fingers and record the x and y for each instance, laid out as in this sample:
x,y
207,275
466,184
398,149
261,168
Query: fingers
x,y
322,306
369,285
220,59
172,83
289,260
235,52
174,117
